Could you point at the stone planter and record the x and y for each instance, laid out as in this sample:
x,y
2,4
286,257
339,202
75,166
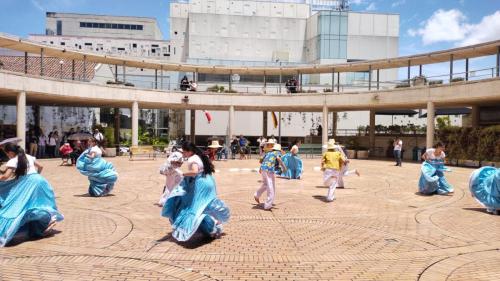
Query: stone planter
x,y
110,152
487,164
453,162
497,164
472,163
461,162
362,154
351,154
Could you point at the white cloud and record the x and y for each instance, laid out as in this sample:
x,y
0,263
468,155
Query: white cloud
x,y
486,30
398,3
356,2
371,7
452,26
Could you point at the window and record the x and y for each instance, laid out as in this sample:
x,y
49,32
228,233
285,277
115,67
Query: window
x,y
139,27
108,25
89,25
120,26
88,44
62,43
51,42
134,45
59,27
114,26
121,49
95,25
154,46
82,24
133,27
126,26
102,25
153,51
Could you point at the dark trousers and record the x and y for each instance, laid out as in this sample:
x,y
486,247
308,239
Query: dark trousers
x,y
397,155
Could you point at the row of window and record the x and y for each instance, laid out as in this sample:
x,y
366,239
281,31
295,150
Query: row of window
x,y
111,25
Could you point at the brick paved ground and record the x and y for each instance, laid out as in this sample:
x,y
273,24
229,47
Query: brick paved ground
x,y
377,229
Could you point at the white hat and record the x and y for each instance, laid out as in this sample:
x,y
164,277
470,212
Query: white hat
x,y
277,146
331,145
175,157
271,141
215,144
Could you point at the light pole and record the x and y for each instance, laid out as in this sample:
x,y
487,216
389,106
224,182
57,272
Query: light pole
x,y
61,62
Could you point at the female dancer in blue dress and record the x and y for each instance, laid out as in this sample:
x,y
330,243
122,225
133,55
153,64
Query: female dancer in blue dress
x,y
101,174
432,180
27,202
193,205
484,184
292,162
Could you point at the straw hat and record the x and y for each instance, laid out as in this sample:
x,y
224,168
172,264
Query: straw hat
x,y
330,145
277,147
215,144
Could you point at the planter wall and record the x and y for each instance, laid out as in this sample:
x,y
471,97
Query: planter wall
x,y
110,152
362,154
351,154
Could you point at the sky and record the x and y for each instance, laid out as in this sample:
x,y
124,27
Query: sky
x,y
425,25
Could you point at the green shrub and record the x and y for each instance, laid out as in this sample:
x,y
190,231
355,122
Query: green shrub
x,y
436,82
457,79
482,144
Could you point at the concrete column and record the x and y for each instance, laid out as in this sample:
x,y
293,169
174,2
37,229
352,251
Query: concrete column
x,y
324,133
193,126
21,118
370,78
25,62
451,67
467,69
475,116
264,123
430,124
230,132
117,124
265,82
135,123
372,130
334,124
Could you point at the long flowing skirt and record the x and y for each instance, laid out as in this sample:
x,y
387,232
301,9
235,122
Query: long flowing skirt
x,y
293,165
432,180
102,175
193,205
27,205
484,184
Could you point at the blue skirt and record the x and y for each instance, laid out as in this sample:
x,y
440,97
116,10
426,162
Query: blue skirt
x,y
293,165
484,184
102,175
194,205
432,180
27,205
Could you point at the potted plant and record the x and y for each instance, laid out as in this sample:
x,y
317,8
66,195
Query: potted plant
x,y
351,145
362,152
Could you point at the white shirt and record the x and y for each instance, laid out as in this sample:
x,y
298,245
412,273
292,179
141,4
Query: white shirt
x,y
52,141
96,150
12,163
398,145
429,153
98,136
195,159
42,141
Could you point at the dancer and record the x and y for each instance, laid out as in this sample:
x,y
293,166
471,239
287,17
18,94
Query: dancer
x,y
293,162
193,204
101,174
331,164
344,171
484,184
432,180
27,202
267,170
172,173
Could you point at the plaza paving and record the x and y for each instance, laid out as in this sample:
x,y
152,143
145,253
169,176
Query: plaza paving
x,y
377,229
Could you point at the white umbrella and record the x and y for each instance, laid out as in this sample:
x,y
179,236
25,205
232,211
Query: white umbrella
x,y
11,140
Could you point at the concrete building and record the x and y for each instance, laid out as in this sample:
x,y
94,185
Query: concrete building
x,y
282,33
114,36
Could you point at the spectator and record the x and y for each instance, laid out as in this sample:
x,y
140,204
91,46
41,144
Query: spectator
x,y
398,147
42,142
77,150
65,151
33,145
234,148
98,137
261,141
293,85
243,142
192,86
51,145
222,151
320,130
184,83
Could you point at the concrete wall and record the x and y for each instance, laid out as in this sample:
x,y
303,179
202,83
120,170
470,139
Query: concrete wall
x,y
71,26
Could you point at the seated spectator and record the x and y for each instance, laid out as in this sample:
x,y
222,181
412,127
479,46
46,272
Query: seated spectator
x,y
293,85
222,151
184,83
192,86
65,151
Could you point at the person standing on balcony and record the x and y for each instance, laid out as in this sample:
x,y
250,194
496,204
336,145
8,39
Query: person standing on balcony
x,y
398,147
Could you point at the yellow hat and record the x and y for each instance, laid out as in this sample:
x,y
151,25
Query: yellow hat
x,y
331,145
